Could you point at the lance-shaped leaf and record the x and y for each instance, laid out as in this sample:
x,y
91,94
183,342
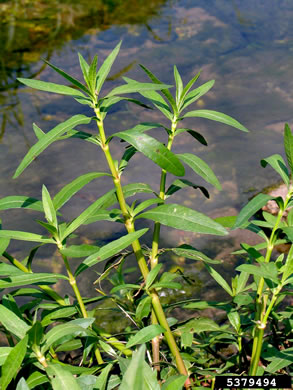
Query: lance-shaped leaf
x,y
178,184
288,144
20,202
22,384
201,168
196,94
13,323
250,209
165,91
4,352
264,270
215,116
145,204
188,86
158,102
82,250
189,252
30,278
48,206
183,218
51,87
106,67
179,85
136,86
219,279
154,150
278,164
85,215
92,74
74,328
194,134
4,242
25,236
144,335
72,188
110,250
13,362
71,79
61,379
152,275
113,215
84,66
49,138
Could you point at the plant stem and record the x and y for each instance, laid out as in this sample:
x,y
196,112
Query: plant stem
x,y
73,284
261,312
128,221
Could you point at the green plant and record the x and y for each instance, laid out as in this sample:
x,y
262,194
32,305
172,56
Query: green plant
x,y
40,347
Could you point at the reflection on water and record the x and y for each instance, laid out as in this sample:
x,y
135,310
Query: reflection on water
x,y
247,47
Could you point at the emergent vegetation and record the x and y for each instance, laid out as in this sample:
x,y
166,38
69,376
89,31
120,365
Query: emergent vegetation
x,y
158,352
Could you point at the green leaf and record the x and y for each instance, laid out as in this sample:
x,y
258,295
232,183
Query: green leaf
x,y
179,85
84,66
278,164
144,335
36,379
154,150
201,168
264,270
69,346
71,79
234,319
194,134
227,222
288,145
162,284
13,362
83,250
165,91
134,87
128,286
92,74
143,308
74,328
183,218
4,352
189,252
9,270
196,94
49,138
106,67
152,275
158,102
129,152
30,278
25,236
250,209
199,325
22,384
103,377
85,215
35,334
50,87
189,85
178,184
215,116
73,187
60,312
4,242
18,202
174,382
113,215
145,204
110,250
39,133
48,206
61,379
219,279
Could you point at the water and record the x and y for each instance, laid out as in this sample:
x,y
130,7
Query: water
x,y
245,46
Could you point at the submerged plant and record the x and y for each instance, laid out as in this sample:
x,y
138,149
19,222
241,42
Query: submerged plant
x,y
30,337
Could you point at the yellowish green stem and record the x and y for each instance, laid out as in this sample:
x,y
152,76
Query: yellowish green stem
x,y
128,221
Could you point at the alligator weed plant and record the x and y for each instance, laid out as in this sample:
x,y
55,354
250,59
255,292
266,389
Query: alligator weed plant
x,y
158,351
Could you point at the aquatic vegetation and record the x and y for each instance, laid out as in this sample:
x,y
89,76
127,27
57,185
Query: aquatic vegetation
x,y
42,333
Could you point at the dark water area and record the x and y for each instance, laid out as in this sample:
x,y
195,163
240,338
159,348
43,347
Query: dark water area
x,y
247,47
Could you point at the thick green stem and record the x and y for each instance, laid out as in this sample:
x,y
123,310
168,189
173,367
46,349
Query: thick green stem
x,y
138,251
